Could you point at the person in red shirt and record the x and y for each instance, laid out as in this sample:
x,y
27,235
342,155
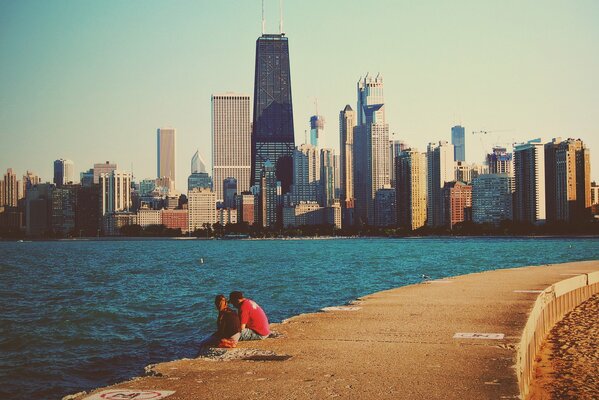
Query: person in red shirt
x,y
254,323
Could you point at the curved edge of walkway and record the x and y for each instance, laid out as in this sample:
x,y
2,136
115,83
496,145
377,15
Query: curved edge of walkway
x,y
469,336
549,308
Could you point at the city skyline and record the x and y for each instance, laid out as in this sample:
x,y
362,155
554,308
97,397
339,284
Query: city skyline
x,y
502,78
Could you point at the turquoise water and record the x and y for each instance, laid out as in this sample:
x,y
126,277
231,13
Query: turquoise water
x,y
75,315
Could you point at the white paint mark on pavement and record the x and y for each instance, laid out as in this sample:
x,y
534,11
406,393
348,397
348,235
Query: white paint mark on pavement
x,y
476,335
341,308
128,394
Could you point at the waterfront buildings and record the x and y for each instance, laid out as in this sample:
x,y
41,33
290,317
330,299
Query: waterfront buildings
x,y
9,189
88,218
37,209
231,141
29,180
327,177
492,198
115,192
568,180
63,207
457,203
371,147
247,208
64,172
347,124
316,129
440,170
499,161
306,173
594,193
147,217
166,146
411,187
273,135
103,168
385,207
226,216
201,204
268,195
395,148
229,192
529,173
176,219
458,140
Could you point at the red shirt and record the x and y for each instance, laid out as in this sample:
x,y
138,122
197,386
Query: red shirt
x,y
252,315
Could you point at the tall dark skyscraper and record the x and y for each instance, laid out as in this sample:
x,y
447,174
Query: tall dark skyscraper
x,y
272,130
458,139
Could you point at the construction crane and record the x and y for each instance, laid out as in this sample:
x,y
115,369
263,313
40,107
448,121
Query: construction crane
x,y
484,133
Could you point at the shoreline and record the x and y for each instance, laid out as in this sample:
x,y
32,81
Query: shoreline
x,y
424,317
185,238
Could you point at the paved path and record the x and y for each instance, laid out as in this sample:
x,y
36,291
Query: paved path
x,y
396,344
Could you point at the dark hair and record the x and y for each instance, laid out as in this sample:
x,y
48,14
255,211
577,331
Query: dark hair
x,y
235,296
219,298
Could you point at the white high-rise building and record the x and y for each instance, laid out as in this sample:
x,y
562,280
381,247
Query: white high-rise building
x,y
202,208
115,192
529,174
231,141
371,147
440,170
166,154
306,173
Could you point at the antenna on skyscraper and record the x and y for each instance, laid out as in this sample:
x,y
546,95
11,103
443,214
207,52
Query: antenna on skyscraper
x,y
281,17
263,22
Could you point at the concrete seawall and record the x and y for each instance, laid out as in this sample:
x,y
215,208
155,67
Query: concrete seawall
x,y
469,337
549,308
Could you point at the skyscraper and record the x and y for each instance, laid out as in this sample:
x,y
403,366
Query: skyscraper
x,y
268,195
347,124
306,173
440,170
9,191
457,203
327,177
231,141
166,154
64,172
395,148
371,151
316,129
230,191
500,161
567,180
410,173
115,192
458,139
273,135
197,163
529,173
492,198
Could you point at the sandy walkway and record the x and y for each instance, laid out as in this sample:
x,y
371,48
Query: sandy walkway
x,y
568,367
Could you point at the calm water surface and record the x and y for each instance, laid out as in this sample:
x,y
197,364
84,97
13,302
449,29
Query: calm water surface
x,y
75,315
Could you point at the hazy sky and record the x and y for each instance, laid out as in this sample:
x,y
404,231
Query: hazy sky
x,y
92,80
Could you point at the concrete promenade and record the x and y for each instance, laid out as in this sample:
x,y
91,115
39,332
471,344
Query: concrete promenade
x,y
396,344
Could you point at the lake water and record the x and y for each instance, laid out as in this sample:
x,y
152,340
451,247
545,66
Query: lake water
x,y
76,315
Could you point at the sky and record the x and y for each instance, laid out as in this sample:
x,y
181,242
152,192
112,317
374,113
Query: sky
x,y
91,81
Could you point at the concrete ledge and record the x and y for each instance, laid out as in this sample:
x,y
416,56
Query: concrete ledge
x,y
549,308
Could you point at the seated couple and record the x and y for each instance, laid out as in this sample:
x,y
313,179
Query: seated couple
x,y
250,324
